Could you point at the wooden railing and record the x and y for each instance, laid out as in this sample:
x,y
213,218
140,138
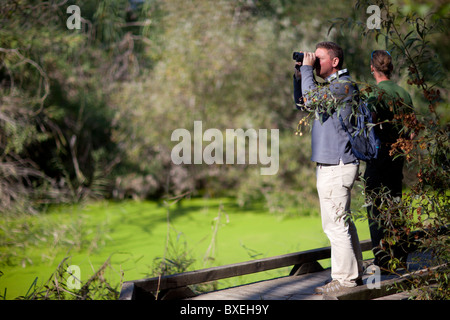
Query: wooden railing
x,y
176,286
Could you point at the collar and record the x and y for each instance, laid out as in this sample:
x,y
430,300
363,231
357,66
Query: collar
x,y
336,75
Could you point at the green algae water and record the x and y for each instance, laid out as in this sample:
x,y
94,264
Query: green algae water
x,y
210,232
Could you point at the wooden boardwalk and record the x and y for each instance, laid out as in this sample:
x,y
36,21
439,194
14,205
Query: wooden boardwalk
x,y
299,287
286,288
305,276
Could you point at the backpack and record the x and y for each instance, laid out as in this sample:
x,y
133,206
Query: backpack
x,y
365,143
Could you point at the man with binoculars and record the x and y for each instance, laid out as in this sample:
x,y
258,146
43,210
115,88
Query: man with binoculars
x,y
337,167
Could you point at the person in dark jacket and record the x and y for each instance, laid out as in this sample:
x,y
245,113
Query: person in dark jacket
x,y
384,175
337,167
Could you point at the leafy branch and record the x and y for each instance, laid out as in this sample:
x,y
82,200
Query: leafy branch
x,y
424,210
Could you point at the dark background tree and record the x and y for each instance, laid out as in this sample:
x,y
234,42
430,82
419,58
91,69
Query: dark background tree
x,y
89,113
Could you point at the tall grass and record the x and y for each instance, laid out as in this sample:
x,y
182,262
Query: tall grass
x,y
60,286
57,234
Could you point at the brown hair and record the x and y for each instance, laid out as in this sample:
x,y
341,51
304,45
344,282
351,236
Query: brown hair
x,y
382,62
334,50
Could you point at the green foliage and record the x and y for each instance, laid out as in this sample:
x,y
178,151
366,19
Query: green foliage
x,y
55,123
217,66
421,218
81,110
89,113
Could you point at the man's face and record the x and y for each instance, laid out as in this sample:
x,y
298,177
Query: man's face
x,y
326,65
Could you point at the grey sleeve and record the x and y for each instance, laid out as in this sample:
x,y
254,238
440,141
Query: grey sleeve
x,y
310,89
308,82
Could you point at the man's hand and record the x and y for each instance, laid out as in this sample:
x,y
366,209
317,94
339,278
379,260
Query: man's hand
x,y
309,59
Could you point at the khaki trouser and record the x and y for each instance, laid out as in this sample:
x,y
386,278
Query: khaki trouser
x,y
334,184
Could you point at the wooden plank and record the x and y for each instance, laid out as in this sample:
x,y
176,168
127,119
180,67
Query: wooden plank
x,y
127,292
284,288
366,245
227,271
238,269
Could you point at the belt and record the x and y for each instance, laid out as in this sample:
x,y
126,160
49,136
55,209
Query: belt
x,y
331,165
326,165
